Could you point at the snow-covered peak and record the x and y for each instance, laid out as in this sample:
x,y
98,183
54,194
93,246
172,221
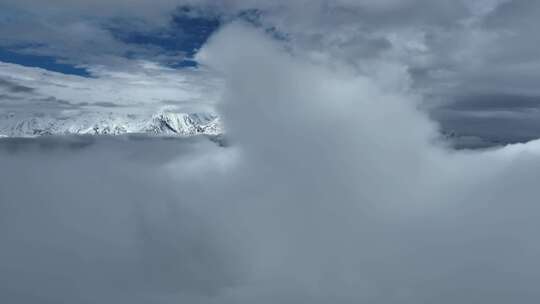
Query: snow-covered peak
x,y
164,123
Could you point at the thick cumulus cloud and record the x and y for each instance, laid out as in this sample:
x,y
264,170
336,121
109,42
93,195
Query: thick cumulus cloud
x,y
361,212
333,189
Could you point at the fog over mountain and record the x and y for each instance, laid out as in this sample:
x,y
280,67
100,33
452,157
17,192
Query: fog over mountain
x,y
333,183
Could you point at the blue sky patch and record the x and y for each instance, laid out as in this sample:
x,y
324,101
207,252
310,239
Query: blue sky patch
x,y
174,45
44,62
186,34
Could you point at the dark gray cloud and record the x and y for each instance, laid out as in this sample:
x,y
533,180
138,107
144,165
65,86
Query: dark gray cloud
x,y
13,87
495,102
106,104
8,97
501,117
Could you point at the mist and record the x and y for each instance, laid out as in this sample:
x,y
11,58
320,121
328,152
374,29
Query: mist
x,y
334,188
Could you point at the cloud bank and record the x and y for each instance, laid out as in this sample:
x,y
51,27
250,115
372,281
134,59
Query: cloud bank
x,y
333,189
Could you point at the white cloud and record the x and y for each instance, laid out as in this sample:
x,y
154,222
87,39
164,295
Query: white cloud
x,y
347,199
333,192
145,86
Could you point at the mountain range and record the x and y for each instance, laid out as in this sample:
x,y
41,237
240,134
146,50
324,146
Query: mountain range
x,y
163,123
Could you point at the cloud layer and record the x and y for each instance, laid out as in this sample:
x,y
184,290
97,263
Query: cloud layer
x,y
334,189
145,87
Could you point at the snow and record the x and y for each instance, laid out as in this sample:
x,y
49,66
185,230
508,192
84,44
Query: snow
x,y
163,123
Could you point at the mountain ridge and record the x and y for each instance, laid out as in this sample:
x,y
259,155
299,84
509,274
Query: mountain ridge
x,y
162,123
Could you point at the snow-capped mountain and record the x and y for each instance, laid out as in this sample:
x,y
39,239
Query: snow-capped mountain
x,y
163,123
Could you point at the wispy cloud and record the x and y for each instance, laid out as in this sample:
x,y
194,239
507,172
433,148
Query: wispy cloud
x,y
145,87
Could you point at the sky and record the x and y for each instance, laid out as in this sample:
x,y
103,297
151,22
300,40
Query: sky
x,y
474,62
334,185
